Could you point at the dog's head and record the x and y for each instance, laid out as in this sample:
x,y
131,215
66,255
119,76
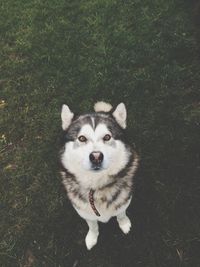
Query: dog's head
x,y
94,140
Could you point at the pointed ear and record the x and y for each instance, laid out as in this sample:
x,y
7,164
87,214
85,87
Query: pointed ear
x,y
66,116
120,115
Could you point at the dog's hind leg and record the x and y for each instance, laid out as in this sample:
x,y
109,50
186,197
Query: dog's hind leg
x,y
92,235
124,222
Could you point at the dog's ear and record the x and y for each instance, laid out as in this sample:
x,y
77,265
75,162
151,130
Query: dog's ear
x,y
66,116
120,115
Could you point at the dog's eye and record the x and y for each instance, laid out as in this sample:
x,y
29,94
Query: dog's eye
x,y
107,137
82,138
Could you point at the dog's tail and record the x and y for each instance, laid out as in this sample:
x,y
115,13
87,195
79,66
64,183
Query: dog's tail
x,y
102,107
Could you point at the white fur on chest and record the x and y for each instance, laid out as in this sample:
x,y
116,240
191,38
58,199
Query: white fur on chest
x,y
103,201
105,213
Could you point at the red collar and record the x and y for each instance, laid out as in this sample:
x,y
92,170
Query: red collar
x,y
91,200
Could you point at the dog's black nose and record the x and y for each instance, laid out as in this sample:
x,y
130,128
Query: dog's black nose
x,y
96,157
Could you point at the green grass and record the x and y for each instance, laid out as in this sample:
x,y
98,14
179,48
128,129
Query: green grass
x,y
144,53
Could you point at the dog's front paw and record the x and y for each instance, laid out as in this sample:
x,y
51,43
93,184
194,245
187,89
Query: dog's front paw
x,y
91,239
125,225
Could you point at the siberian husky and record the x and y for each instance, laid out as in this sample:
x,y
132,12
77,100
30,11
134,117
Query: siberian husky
x,y
97,167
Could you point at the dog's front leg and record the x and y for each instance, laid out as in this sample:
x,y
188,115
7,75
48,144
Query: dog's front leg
x,y
124,222
92,235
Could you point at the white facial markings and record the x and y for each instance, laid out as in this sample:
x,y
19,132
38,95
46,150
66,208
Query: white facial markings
x,y
76,157
94,142
93,122
100,131
96,135
87,131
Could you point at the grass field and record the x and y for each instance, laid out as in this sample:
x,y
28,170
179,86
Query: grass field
x,y
143,53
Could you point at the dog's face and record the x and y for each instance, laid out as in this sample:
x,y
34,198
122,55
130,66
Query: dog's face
x,y
93,141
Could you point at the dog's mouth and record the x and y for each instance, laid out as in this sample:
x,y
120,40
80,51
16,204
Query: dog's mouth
x,y
96,168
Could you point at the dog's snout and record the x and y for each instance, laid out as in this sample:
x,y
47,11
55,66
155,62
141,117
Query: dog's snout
x,y
96,157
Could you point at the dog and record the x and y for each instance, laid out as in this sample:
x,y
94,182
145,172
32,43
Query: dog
x,y
97,166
